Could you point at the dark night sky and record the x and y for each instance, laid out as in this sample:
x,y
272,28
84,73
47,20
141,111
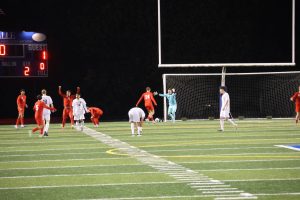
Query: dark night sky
x,y
107,47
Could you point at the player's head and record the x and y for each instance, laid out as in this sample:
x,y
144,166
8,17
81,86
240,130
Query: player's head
x,y
78,96
44,91
222,89
170,91
22,91
68,93
39,97
148,89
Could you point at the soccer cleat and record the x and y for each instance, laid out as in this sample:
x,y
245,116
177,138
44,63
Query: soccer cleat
x,y
139,135
220,130
132,135
16,126
46,134
22,126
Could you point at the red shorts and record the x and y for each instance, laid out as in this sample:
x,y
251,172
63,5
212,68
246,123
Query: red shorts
x,y
39,121
149,108
21,110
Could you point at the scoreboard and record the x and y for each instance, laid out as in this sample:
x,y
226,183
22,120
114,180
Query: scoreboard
x,y
23,54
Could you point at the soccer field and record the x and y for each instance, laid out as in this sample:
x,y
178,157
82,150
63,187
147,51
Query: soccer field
x,y
203,163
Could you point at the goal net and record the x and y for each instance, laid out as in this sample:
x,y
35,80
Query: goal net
x,y
252,95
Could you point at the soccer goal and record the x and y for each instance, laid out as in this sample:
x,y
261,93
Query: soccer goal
x,y
253,95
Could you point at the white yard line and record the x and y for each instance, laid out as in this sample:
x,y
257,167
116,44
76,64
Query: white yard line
x,y
172,169
250,169
210,149
64,167
271,179
70,175
56,149
87,185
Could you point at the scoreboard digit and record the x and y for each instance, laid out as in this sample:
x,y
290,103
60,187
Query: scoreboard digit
x,y
23,54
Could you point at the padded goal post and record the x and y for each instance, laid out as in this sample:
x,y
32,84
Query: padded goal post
x,y
253,95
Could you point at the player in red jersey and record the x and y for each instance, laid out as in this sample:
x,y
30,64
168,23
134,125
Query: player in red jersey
x,y
148,99
39,106
296,98
68,111
21,105
96,113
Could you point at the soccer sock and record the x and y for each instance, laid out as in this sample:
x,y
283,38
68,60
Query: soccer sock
x,y
72,120
222,124
18,121
46,126
22,120
42,131
232,122
132,128
139,129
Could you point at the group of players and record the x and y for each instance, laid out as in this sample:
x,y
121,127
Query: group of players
x,y
74,108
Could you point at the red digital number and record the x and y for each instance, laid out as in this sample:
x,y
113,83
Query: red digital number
x,y
44,55
2,50
42,66
26,71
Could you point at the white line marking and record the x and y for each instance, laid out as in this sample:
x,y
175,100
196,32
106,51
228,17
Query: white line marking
x,y
69,175
253,169
281,194
272,179
212,149
56,160
87,185
288,147
57,149
155,161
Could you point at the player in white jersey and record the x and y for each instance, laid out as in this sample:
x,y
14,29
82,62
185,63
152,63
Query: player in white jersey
x,y
225,108
136,118
46,113
79,109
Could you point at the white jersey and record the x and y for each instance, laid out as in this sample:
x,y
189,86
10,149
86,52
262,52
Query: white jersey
x,y
136,114
48,101
225,102
79,106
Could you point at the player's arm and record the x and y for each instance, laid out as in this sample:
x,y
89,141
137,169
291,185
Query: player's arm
x,y
84,106
78,90
153,100
139,101
60,92
49,108
162,95
294,96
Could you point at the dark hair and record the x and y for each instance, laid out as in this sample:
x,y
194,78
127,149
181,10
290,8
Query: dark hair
x,y
22,90
223,88
39,97
44,91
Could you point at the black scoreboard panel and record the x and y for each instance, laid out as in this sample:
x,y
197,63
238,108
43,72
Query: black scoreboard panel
x,y
23,54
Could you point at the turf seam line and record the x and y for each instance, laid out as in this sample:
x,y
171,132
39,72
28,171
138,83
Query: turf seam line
x,y
159,163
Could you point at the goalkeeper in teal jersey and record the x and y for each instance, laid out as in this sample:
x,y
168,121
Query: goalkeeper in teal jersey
x,y
171,96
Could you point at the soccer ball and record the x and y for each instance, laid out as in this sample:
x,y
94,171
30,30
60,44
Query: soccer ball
x,y
157,120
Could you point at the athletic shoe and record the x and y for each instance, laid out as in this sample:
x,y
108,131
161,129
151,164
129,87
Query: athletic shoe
x,y
139,135
46,134
22,126
16,126
132,135
221,130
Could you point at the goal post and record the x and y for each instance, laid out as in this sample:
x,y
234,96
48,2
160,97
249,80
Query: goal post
x,y
253,95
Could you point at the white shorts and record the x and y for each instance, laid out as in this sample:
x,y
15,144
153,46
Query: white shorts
x,y
78,116
46,116
224,114
134,117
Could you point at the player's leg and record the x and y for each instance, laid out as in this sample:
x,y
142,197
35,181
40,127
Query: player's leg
x,y
96,121
297,117
47,124
18,120
64,117
71,116
82,122
139,128
222,120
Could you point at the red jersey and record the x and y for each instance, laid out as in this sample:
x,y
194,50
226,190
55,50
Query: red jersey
x,y
39,107
21,101
95,111
68,100
148,99
296,98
